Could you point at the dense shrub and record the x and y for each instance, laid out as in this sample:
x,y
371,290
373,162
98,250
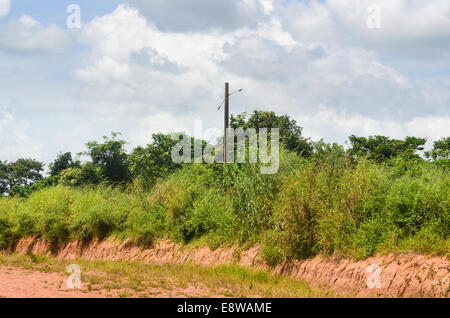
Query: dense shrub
x,y
359,209
329,203
48,213
212,216
98,213
8,211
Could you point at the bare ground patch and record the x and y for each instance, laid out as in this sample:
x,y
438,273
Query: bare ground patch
x,y
401,275
38,276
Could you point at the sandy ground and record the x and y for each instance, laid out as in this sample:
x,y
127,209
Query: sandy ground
x,y
22,283
398,275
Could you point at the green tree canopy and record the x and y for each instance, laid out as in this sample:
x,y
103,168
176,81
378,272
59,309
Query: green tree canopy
x,y
110,156
290,133
382,148
21,173
63,162
153,161
323,149
441,149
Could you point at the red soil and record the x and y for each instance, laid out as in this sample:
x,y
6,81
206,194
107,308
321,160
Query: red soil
x,y
21,283
405,275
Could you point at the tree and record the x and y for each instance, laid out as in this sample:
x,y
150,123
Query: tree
x,y
155,160
88,173
110,156
441,149
323,149
382,148
4,177
290,133
18,174
63,162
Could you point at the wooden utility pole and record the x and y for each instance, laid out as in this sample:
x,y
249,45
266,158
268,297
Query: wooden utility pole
x,y
226,121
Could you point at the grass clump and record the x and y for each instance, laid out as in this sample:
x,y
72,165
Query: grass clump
x,y
332,204
360,209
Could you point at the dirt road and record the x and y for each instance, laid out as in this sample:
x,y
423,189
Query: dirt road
x,y
22,283
39,276
170,270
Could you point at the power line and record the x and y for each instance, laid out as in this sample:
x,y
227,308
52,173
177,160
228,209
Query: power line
x,y
223,101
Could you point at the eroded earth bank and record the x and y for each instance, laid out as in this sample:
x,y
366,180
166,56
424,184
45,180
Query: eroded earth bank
x,y
403,275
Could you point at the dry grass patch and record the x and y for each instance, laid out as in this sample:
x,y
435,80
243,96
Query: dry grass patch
x,y
135,279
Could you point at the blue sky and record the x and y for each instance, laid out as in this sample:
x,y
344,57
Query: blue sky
x,y
53,11
141,67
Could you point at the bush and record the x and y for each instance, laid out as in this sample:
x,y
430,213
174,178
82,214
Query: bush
x,y
177,195
147,221
8,211
211,216
359,209
98,213
88,174
329,204
414,202
48,211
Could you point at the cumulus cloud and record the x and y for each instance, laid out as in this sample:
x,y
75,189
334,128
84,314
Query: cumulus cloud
x,y
27,34
5,6
150,68
264,59
14,140
412,29
5,117
349,79
334,125
145,64
139,71
203,15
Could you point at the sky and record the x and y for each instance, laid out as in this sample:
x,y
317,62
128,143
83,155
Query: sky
x,y
141,67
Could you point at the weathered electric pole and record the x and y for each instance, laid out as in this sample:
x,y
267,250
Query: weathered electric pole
x,y
226,121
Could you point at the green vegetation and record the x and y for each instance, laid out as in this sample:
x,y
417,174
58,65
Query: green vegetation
x,y
17,177
290,133
441,149
377,196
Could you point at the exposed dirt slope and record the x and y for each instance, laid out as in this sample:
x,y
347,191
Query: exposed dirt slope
x,y
406,275
16,282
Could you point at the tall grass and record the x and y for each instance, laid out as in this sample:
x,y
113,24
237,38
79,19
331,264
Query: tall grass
x,y
360,209
329,205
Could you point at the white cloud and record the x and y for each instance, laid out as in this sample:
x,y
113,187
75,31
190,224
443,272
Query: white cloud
x,y
104,71
15,142
411,29
203,15
29,21
144,72
139,70
27,34
337,126
5,117
161,122
146,65
267,5
5,6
